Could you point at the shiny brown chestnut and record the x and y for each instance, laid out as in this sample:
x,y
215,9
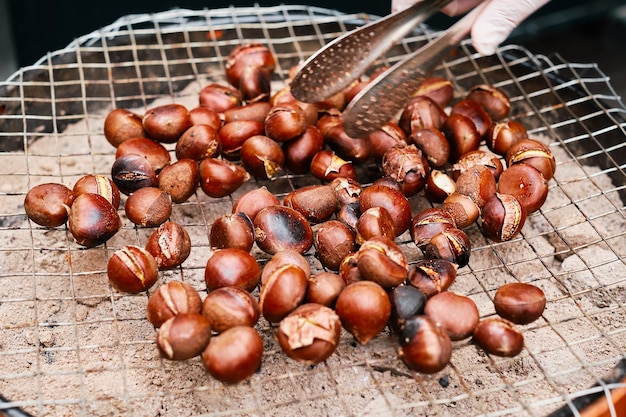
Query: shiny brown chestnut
x,y
279,227
347,190
48,204
92,220
122,124
232,267
504,134
439,185
406,302
502,217
253,201
452,245
310,333
478,183
220,177
285,257
364,309
475,112
519,302
256,110
155,153
233,355
495,102
233,134
349,270
219,97
525,183
285,121
148,207
249,68
434,144
228,307
428,223
385,138
283,290
407,165
324,288
421,112
349,214
375,221
132,269
183,336
170,299
179,180
132,172
478,158
326,166
300,150
262,157
438,89
456,313
356,150
167,122
424,346
317,203
232,230
97,184
393,200
534,153
198,142
498,336
462,208
462,135
170,245
381,260
432,276
333,241
205,116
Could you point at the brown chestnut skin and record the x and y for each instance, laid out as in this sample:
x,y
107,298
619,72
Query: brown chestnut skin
x,y
364,310
381,260
478,158
148,207
456,313
92,220
317,203
132,269
233,134
179,180
220,177
438,89
432,276
300,150
502,217
478,183
504,134
170,245
533,153
421,112
498,336
122,124
262,157
132,172
310,333
519,302
393,200
356,150
198,142
205,116
232,267
428,223
475,112
219,97
279,227
347,190
285,121
349,214
439,185
525,183
333,240
434,145
232,230
492,99
253,201
385,138
462,135
155,153
166,123
171,299
249,68
452,245
407,165
326,166
256,111
283,290
375,221
228,307
285,257
424,346
462,208
98,184
234,355
324,288
183,336
48,204
406,302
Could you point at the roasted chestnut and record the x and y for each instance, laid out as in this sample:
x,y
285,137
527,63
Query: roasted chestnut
x,y
228,307
232,230
381,260
428,223
179,180
233,355
171,299
424,346
220,177
167,122
282,291
326,166
132,269
493,100
219,97
324,288
122,124
253,201
432,276
92,220
300,150
406,301
155,153
198,142
364,309
498,336
393,200
148,207
407,165
333,241
502,217
132,172
452,245
232,267
533,153
262,157
170,245
279,227
317,203
525,183
519,302
97,184
183,336
456,313
48,204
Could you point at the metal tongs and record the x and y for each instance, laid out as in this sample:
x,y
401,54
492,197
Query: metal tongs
x,y
346,58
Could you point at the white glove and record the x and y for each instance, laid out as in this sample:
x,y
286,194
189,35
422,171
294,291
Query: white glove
x,y
494,24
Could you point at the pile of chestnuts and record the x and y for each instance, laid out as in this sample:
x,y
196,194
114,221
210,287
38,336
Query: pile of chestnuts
x,y
473,163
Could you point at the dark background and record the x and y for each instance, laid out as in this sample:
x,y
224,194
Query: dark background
x,y
578,30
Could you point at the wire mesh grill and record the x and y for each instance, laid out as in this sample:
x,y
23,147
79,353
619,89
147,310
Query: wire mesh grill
x,y
71,345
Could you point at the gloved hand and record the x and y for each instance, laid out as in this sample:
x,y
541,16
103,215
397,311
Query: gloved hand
x,y
494,24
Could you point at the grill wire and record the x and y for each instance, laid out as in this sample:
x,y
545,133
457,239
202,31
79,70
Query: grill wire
x,y
70,345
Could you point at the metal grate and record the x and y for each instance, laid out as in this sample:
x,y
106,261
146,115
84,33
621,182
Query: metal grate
x,y
70,345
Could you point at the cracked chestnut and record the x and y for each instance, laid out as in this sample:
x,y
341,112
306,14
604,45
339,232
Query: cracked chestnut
x,y
148,207
432,276
282,291
502,217
183,336
98,184
132,269
170,245
170,299
228,307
